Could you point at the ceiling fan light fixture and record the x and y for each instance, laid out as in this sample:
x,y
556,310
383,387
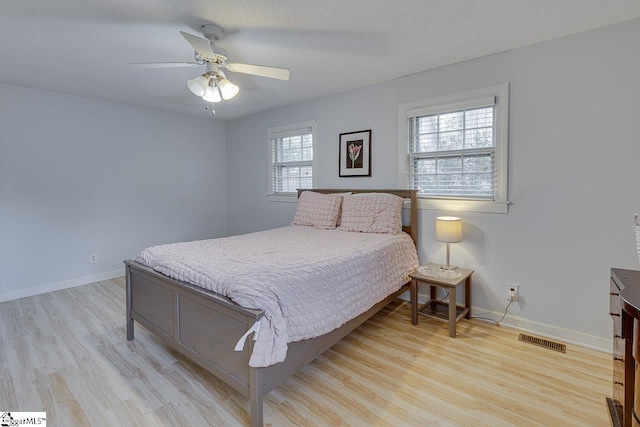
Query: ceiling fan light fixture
x,y
228,89
198,85
211,93
213,86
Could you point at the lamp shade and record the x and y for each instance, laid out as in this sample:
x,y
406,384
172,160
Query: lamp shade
x,y
198,85
448,229
228,89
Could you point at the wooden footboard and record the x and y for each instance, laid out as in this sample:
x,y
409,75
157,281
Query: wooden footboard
x,y
175,311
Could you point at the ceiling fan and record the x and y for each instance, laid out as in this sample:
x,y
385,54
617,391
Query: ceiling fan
x,y
213,86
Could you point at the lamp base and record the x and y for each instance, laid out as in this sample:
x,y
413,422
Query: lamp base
x,y
447,266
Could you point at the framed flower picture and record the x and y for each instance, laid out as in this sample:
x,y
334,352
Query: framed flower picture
x,y
355,154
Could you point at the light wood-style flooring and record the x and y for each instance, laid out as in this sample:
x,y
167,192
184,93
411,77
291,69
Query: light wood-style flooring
x,y
66,353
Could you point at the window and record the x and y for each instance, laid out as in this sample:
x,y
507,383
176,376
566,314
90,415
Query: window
x,y
291,160
454,150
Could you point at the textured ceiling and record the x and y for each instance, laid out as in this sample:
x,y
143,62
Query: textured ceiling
x,y
81,47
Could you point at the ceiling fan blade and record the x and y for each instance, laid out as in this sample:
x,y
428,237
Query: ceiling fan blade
x,y
201,46
258,70
163,64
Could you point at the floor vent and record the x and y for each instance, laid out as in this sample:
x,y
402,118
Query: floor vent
x,y
543,343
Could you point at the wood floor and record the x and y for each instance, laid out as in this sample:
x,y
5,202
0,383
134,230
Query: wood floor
x,y
66,353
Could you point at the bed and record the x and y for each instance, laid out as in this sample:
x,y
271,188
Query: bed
x,y
176,310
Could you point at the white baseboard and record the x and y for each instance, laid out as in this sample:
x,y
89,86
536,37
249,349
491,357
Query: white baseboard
x,y
556,333
57,286
538,328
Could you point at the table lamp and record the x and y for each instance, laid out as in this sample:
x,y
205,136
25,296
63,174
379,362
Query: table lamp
x,y
448,230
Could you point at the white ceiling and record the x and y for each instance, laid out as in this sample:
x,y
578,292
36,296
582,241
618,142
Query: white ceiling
x,y
81,47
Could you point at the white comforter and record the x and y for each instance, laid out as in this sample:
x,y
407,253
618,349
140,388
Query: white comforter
x,y
307,281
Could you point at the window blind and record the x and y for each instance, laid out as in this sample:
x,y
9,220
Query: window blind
x,y
291,160
452,149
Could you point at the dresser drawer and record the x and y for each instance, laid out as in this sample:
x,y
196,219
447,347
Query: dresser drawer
x,y
615,311
618,337
618,381
618,347
614,297
613,286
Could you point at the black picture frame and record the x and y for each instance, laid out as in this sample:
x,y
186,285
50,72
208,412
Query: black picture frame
x,y
354,157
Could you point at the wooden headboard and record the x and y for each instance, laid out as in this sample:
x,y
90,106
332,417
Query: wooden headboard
x,y
412,195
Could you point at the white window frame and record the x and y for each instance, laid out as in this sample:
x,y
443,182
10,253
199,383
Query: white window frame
x,y
441,104
280,131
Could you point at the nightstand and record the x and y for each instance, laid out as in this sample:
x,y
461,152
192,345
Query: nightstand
x,y
435,277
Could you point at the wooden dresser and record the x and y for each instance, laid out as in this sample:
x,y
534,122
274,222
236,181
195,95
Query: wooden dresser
x,y
624,308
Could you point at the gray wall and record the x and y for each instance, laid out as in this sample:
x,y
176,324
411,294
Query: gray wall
x,y
573,174
80,176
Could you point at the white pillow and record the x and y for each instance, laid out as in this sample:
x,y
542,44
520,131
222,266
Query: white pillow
x,y
318,210
372,213
347,193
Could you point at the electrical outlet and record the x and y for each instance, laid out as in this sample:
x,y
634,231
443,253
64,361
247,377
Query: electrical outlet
x,y
93,258
513,292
